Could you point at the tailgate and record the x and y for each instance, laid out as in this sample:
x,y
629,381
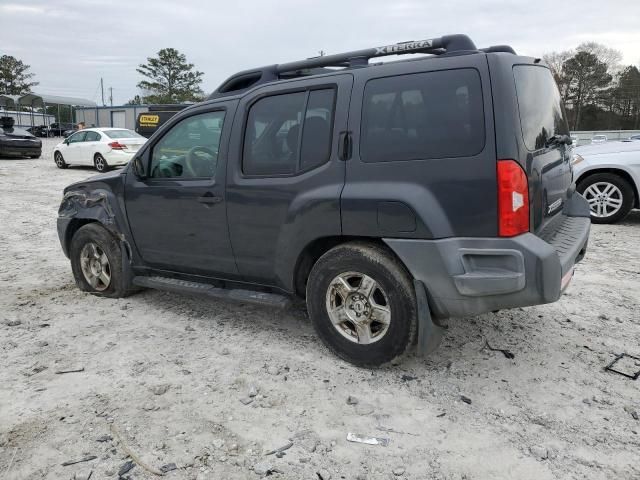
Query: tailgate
x,y
547,162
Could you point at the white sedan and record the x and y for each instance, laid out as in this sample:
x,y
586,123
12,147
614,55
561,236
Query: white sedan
x,y
102,148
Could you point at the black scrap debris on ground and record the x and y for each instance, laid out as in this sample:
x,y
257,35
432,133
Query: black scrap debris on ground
x,y
624,364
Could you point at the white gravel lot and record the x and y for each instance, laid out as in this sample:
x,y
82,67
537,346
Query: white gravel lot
x,y
164,376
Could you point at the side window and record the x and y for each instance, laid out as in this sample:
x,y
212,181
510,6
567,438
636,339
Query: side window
x,y
77,137
419,116
288,133
189,149
92,137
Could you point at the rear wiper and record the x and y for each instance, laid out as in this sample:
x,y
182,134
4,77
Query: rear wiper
x,y
558,140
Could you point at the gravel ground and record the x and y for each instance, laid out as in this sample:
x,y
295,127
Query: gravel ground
x,y
209,388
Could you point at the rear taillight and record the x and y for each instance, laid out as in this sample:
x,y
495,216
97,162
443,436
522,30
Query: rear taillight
x,y
117,146
513,199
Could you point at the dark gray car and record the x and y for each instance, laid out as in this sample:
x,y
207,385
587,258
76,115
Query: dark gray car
x,y
389,196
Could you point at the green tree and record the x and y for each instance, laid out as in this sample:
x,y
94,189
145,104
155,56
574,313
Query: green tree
x,y
586,76
170,78
15,78
137,100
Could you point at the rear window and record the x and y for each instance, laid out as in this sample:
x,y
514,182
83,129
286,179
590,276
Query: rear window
x,y
419,116
542,113
121,134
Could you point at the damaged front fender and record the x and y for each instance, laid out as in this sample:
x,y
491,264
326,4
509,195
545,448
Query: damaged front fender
x,y
79,207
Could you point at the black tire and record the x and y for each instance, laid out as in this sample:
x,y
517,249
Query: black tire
x,y
377,263
96,234
626,190
34,156
59,160
100,163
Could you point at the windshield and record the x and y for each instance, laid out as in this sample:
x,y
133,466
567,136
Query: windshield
x,y
542,113
121,134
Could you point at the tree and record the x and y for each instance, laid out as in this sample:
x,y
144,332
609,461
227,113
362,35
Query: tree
x,y
585,76
170,78
14,76
556,60
135,101
610,56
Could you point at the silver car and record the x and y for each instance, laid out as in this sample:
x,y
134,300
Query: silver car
x,y
608,176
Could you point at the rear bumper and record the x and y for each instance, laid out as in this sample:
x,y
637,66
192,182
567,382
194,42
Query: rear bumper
x,y
118,157
469,276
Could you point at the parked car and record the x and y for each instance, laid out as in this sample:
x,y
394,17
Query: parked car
x,y
599,139
71,131
608,176
39,131
102,148
58,129
17,142
634,138
389,196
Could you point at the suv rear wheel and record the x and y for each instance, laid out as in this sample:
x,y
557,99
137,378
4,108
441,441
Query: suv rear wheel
x,y
362,304
96,261
610,197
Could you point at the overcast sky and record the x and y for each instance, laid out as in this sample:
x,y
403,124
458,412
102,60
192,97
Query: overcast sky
x,y
71,44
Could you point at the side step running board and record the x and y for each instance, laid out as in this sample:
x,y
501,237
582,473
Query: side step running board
x,y
195,288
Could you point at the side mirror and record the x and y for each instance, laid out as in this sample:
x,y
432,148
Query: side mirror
x,y
138,168
66,141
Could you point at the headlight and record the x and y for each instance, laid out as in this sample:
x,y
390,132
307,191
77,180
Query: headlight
x,y
576,159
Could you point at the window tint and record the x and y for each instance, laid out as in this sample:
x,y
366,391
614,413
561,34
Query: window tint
x,y
288,133
426,115
77,137
92,137
542,113
189,149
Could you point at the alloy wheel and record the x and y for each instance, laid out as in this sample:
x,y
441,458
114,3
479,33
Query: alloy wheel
x,y
95,266
358,307
605,199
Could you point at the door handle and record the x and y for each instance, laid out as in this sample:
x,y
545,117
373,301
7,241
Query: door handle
x,y
345,146
209,198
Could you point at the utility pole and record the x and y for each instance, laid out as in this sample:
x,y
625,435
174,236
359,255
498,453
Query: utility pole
x,y
102,91
111,96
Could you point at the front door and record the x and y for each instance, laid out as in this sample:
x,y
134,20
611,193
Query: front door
x,y
73,152
177,214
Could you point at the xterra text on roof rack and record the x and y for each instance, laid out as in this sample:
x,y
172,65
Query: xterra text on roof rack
x,y
389,196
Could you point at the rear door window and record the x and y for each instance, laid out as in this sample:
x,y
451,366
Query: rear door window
x,y
92,137
540,106
288,133
420,116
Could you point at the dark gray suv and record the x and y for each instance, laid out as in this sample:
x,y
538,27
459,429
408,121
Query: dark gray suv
x,y
390,196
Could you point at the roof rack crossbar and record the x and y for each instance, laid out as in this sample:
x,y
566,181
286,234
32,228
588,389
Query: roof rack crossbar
x,y
358,58
446,44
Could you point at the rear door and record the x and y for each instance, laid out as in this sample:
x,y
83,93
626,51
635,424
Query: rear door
x,y
89,147
285,177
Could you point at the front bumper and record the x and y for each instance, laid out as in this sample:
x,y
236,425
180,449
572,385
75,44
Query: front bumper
x,y
20,151
469,276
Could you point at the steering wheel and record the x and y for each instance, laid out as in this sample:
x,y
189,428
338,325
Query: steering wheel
x,y
198,166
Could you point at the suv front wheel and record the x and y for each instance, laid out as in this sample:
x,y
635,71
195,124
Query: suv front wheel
x,y
362,304
96,261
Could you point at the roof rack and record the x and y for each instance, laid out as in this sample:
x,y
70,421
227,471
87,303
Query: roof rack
x,y
359,58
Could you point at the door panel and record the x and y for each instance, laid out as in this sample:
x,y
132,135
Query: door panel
x,y
73,151
285,178
178,215
423,149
